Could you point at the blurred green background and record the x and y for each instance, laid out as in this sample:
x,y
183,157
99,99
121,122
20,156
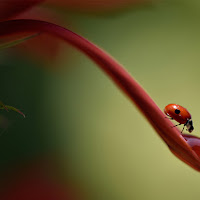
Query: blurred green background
x,y
76,113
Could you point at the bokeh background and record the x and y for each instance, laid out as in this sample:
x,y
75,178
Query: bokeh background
x,y
76,115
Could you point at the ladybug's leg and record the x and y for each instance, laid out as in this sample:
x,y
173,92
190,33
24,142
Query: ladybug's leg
x,y
176,125
179,125
183,128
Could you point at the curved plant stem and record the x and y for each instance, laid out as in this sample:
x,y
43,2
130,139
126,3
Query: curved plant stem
x,y
121,78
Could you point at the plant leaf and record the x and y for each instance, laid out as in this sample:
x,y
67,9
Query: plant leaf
x,y
7,108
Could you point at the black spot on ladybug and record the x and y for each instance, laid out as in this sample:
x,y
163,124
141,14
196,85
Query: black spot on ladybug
x,y
177,111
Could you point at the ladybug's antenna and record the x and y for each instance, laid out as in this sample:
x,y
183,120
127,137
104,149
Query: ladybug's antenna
x,y
183,128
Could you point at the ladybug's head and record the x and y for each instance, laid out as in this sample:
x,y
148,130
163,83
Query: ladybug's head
x,y
189,125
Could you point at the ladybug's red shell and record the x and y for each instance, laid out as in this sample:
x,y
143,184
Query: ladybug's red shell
x,y
177,112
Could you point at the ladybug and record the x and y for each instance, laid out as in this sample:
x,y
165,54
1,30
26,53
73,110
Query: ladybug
x,y
181,115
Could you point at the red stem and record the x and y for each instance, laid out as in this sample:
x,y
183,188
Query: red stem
x,y
119,75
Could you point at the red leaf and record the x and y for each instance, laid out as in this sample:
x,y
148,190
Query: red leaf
x,y
11,8
194,142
